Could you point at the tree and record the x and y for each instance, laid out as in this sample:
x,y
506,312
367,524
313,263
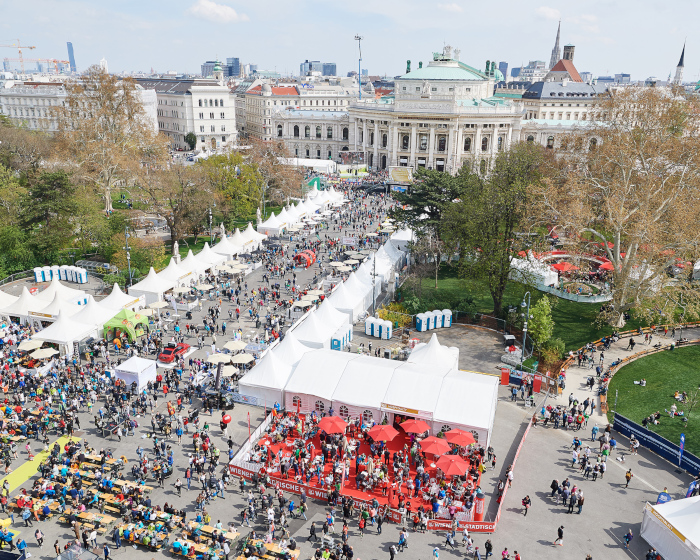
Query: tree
x,y
145,252
540,323
23,150
103,130
484,223
280,180
12,194
628,187
191,139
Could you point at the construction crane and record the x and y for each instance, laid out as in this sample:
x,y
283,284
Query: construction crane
x,y
53,61
19,48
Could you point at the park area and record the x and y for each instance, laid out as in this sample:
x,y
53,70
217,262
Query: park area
x,y
665,373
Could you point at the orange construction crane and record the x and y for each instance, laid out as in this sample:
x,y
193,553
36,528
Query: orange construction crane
x,y
53,61
19,48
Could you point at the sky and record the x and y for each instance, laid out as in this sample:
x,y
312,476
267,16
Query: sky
x,y
640,37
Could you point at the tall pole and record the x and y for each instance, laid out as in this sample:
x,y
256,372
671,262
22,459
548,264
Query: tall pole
x,y
374,267
128,251
211,230
527,316
359,38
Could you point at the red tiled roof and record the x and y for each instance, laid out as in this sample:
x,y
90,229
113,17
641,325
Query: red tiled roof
x,y
275,90
567,66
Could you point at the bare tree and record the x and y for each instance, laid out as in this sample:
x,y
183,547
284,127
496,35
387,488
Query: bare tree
x,y
281,179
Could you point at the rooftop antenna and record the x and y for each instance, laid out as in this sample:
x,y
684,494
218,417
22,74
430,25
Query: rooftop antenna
x,y
359,38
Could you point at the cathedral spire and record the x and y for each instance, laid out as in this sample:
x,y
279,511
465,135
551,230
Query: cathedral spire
x,y
556,51
678,79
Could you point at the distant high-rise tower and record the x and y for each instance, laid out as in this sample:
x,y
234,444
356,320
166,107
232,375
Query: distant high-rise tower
x,y
678,79
556,51
71,56
103,65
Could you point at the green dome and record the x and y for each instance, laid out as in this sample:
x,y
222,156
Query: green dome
x,y
499,76
217,67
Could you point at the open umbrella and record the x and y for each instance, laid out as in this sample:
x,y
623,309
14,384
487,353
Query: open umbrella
x,y
181,290
242,359
382,432
351,261
203,287
452,465
228,371
434,445
27,345
564,267
332,425
43,353
415,426
460,437
606,266
315,292
219,359
158,304
234,345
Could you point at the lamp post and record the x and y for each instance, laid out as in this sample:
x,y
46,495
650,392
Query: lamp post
x,y
526,315
128,252
374,275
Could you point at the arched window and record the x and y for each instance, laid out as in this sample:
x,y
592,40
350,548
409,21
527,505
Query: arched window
x,y
344,412
484,144
592,144
383,162
367,417
318,132
307,152
211,103
216,102
319,407
550,142
279,130
371,160
296,402
307,132
384,140
371,138
296,131
329,132
445,428
530,138
442,143
200,102
205,102
405,142
330,154
468,144
345,149
482,167
345,133
500,143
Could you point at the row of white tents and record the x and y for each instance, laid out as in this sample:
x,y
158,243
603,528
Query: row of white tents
x,y
314,202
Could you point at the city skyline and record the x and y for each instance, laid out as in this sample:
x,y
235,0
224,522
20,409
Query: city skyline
x,y
181,37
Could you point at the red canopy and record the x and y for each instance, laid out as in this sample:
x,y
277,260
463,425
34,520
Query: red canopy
x,y
434,445
460,437
452,465
382,433
606,266
564,267
332,425
415,426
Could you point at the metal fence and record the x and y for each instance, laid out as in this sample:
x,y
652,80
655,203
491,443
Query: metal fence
x,y
581,298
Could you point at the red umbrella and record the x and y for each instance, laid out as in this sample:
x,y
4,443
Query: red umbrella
x,y
564,267
606,266
415,426
226,419
332,425
434,445
452,465
382,432
460,437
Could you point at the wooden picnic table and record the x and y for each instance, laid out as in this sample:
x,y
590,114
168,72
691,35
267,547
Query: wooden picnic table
x,y
139,535
274,551
208,530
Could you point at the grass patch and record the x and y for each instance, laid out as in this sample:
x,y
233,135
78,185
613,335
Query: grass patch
x,y
666,373
574,321
242,223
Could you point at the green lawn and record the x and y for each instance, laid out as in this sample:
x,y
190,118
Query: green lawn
x,y
665,372
574,322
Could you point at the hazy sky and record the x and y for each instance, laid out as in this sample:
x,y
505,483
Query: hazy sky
x,y
642,37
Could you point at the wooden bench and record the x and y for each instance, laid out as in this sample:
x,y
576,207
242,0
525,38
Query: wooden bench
x,y
112,509
604,403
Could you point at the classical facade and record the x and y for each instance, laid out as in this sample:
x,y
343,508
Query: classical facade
x,y
314,134
441,116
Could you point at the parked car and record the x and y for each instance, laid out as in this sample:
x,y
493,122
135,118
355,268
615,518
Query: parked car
x,y
173,351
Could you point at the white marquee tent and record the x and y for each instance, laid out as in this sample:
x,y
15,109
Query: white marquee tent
x,y
313,332
55,287
151,288
64,332
23,305
6,299
227,247
58,305
93,313
402,238
175,273
346,300
272,226
192,264
119,300
256,237
209,258
136,369
434,353
673,528
532,271
266,381
290,350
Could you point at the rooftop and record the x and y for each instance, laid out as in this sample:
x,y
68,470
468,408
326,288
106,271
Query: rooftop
x,y
445,70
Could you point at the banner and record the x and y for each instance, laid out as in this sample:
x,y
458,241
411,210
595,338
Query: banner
x,y
663,498
691,488
681,448
659,445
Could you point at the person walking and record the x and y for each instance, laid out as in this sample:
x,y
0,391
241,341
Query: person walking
x,y
488,547
106,551
39,536
580,502
117,538
526,504
628,477
560,536
628,537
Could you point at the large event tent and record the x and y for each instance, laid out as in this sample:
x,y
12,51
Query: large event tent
x,y
266,381
673,528
209,258
6,299
313,332
56,288
348,301
133,324
355,283
64,332
152,287
192,264
272,226
290,350
402,238
93,313
251,235
56,306
227,248
175,273
119,300
434,353
23,305
138,370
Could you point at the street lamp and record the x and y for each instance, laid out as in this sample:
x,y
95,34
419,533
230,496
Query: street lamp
x,y
526,315
211,231
128,252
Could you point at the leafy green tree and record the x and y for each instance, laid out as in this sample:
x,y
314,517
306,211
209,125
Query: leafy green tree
x,y
16,252
485,222
541,324
191,139
11,195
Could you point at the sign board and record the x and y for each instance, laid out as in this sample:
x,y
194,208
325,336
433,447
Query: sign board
x,y
411,411
349,240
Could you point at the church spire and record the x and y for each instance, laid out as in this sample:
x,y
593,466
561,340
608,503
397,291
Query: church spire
x,y
678,79
556,51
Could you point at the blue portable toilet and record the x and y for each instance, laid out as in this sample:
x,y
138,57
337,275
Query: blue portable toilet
x,y
335,344
46,271
38,274
446,318
370,326
438,318
55,272
82,276
350,333
421,322
388,328
379,329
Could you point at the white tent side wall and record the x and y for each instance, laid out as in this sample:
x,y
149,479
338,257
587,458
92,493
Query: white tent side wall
x,y
663,540
137,369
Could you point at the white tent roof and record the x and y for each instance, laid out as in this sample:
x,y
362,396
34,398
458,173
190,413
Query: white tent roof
x,y
312,329
355,283
208,257
270,372
60,305
285,218
227,247
117,299
271,223
344,297
434,353
673,528
531,270
318,373
365,381
174,272
135,365
393,253
192,264
330,316
237,239
55,287
416,387
153,284
483,392
290,350
94,313
64,331
24,304
6,299
252,234
405,234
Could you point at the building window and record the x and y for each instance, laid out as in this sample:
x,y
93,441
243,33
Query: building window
x,y
442,143
384,140
211,115
445,428
307,152
468,144
484,144
500,143
296,131
319,407
296,402
530,138
221,102
318,132
200,102
201,115
330,154
343,412
223,115
201,129
216,102
223,138
213,128
371,138
550,142
404,142
367,417
345,133
223,128
307,132
329,132
318,154
279,131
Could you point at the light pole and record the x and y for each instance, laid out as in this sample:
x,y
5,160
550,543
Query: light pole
x,y
128,251
211,231
374,276
359,38
526,315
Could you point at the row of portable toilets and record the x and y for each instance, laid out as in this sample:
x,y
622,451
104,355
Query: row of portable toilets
x,y
378,328
434,320
65,272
